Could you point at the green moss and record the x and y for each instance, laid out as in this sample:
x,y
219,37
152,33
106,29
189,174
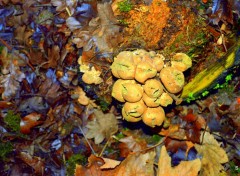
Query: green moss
x,y
5,149
234,170
125,6
13,121
72,161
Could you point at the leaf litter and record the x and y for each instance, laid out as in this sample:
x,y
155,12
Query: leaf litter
x,y
57,113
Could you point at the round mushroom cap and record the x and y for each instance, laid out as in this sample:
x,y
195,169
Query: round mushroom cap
x,y
144,71
135,109
181,61
130,118
153,116
132,92
150,102
165,99
172,79
118,88
153,88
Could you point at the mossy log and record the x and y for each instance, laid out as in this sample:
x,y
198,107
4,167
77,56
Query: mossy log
x,y
214,74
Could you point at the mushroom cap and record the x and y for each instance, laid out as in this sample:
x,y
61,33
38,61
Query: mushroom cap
x,y
150,102
118,88
129,118
181,61
144,71
132,92
153,88
135,109
153,116
158,62
165,99
123,65
172,79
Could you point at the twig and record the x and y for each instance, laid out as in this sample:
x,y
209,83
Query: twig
x,y
87,141
104,147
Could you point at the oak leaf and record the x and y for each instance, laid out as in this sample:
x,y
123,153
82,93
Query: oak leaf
x,y
101,127
212,155
185,168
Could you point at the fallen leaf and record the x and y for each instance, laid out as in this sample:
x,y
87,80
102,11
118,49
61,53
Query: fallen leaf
x,y
35,162
101,127
109,163
11,82
213,156
130,144
29,121
185,168
135,164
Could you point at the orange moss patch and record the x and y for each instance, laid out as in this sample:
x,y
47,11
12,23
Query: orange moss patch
x,y
145,23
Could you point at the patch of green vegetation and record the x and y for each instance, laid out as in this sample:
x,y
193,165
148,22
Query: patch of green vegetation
x,y
156,138
13,121
205,93
104,105
234,170
125,6
119,136
1,48
123,22
5,149
72,161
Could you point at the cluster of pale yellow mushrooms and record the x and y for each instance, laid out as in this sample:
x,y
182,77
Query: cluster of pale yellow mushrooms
x,y
146,84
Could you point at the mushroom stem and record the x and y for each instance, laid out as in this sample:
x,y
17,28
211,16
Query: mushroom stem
x,y
176,99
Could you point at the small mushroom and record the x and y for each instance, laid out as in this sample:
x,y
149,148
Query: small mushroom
x,y
132,92
181,61
123,66
172,79
130,118
92,76
153,88
150,102
135,109
165,99
118,88
158,62
144,71
153,116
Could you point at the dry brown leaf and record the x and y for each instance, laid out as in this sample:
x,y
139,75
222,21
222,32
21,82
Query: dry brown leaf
x,y
103,126
30,121
109,163
35,162
185,168
135,164
212,156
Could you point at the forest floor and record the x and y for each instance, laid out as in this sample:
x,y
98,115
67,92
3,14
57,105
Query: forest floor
x,y
59,112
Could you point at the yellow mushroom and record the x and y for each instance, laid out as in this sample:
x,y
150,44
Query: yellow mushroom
x,y
172,79
129,118
144,71
135,109
118,88
181,61
123,66
150,102
132,92
153,88
165,99
153,116
158,62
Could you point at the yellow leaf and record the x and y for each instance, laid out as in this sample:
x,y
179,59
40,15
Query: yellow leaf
x,y
212,156
185,168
